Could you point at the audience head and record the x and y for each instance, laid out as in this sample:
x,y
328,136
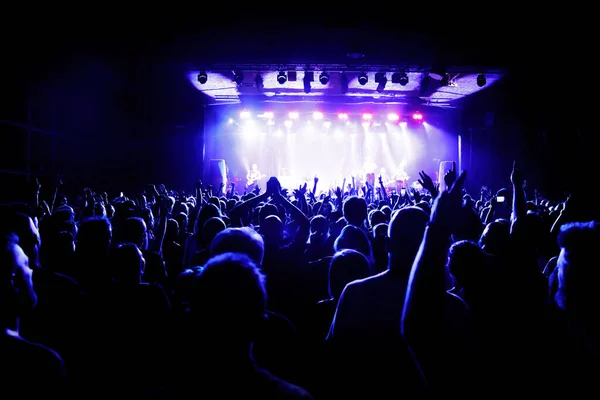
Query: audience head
x,y
229,298
355,210
579,272
319,229
94,236
16,287
495,239
468,265
134,231
207,212
272,230
405,234
25,229
239,240
211,228
346,266
354,238
128,263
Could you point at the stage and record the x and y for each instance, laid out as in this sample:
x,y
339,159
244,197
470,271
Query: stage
x,y
296,147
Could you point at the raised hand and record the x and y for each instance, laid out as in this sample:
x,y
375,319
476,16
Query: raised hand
x,y
516,176
316,180
426,182
447,206
450,176
38,185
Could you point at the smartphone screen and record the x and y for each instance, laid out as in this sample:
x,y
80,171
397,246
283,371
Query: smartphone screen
x,y
500,199
402,192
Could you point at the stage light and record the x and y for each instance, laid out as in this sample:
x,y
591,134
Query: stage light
x,y
417,116
403,124
268,115
366,125
288,124
279,133
281,78
318,115
293,115
324,78
343,116
403,79
363,79
245,115
367,117
393,117
327,124
481,81
230,121
202,77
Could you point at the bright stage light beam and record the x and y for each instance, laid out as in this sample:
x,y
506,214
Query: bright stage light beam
x,y
245,115
293,115
343,116
393,117
417,116
367,117
288,124
403,124
268,115
318,115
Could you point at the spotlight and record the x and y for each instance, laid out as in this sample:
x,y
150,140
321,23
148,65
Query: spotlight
x,y
403,124
403,80
293,115
281,78
481,81
400,77
245,115
343,116
417,116
238,77
363,79
318,115
393,117
268,115
324,78
202,77
288,124
327,124
367,117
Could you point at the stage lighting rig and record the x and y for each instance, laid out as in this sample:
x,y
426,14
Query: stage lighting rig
x,y
258,81
281,78
202,77
324,78
363,79
481,81
309,77
400,77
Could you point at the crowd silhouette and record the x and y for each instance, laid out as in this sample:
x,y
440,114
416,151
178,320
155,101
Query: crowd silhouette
x,y
300,294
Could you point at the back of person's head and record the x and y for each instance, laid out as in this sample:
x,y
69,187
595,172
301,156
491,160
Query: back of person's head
x,y
207,212
319,225
405,234
229,297
134,230
182,220
95,234
380,230
239,240
377,217
579,272
272,230
211,228
467,264
346,266
354,238
24,228
266,211
355,210
172,231
17,295
128,263
495,238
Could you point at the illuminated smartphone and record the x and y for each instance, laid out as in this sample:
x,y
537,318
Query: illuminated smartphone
x,y
500,199
402,192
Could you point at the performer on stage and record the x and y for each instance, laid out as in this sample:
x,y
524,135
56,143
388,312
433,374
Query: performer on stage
x,y
401,174
253,177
